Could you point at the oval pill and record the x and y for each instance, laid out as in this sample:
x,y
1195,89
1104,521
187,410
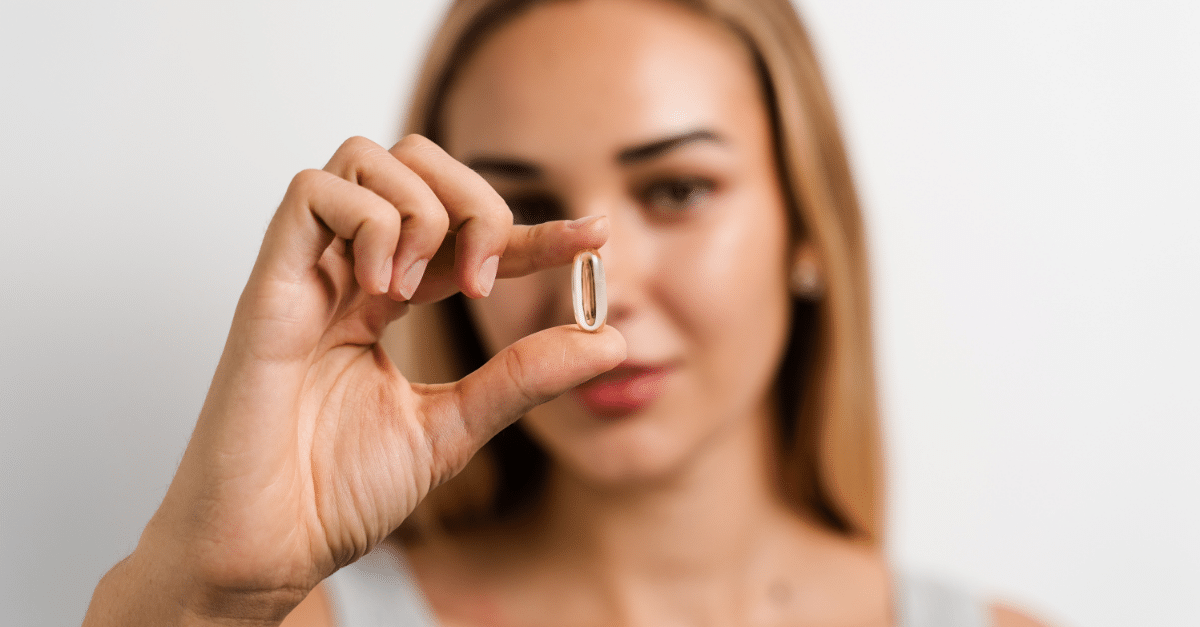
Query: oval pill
x,y
587,291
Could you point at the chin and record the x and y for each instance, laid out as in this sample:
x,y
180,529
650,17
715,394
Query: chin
x,y
632,451
629,473
624,457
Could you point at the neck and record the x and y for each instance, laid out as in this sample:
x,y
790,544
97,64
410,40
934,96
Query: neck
x,y
707,526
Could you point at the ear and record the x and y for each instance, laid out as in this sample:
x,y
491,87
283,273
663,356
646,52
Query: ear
x,y
807,277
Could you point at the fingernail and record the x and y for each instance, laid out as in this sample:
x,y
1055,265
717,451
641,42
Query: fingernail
x,y
487,274
582,222
385,280
412,278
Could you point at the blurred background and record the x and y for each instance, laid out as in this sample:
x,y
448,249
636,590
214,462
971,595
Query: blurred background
x,y
1031,172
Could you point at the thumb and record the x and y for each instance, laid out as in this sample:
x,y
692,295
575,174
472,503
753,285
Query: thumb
x,y
531,371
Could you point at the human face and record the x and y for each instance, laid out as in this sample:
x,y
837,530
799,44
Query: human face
x,y
653,117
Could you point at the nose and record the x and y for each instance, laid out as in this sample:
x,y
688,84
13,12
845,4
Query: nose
x,y
626,260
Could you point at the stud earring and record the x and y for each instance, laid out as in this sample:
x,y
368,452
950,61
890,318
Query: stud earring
x,y
805,281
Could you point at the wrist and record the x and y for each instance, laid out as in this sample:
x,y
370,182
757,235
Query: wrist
x,y
155,587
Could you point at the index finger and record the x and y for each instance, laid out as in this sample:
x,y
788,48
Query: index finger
x,y
541,246
528,250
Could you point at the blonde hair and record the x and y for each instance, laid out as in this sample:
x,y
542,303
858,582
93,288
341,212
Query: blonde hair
x,y
829,459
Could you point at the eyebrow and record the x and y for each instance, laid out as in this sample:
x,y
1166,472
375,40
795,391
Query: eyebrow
x,y
656,148
519,170
506,168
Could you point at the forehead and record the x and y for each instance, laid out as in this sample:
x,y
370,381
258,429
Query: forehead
x,y
590,75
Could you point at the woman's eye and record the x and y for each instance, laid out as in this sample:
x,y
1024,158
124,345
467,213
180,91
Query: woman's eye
x,y
677,195
534,209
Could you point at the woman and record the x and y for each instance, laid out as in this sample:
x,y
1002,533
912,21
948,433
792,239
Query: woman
x,y
716,458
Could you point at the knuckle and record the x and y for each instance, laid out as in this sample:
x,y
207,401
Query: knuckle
x,y
426,209
535,237
498,208
386,216
418,148
518,374
351,157
415,142
490,208
357,145
307,181
439,222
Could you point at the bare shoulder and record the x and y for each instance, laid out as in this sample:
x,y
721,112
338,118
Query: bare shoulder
x,y
313,611
1007,616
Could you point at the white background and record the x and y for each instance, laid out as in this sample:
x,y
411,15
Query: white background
x,y
1031,171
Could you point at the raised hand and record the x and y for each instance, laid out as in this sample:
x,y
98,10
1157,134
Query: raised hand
x,y
311,446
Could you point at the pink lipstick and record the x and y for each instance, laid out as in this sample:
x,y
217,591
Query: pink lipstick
x,y
624,390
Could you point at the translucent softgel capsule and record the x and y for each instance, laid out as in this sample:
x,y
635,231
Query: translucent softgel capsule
x,y
587,291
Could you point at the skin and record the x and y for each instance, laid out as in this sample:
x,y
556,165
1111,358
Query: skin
x,y
311,447
697,265
698,259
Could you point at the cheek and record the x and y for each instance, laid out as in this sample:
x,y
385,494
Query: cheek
x,y
731,295
519,307
739,267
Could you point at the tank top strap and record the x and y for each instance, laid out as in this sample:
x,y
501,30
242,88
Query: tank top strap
x,y
925,602
378,590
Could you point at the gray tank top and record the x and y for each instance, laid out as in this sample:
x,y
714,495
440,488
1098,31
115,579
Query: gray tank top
x,y
379,591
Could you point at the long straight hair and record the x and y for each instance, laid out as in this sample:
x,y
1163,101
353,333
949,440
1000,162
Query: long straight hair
x,y
828,436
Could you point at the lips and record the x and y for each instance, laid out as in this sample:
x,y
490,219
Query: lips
x,y
624,390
